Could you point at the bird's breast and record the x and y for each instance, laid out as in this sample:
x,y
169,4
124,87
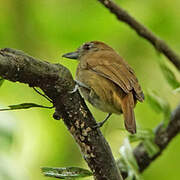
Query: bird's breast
x,y
102,93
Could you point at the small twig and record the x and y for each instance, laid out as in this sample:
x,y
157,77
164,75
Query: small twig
x,y
25,106
43,95
162,139
158,43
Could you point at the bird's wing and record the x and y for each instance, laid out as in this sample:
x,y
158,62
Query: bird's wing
x,y
120,73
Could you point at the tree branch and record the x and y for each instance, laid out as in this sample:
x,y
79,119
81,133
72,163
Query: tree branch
x,y
158,43
162,138
55,80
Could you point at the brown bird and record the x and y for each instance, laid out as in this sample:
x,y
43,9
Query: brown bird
x,y
107,81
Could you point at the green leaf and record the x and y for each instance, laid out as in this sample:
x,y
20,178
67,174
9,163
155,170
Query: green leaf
x,y
24,106
151,147
66,172
1,81
169,75
176,90
142,134
156,102
159,105
147,138
129,159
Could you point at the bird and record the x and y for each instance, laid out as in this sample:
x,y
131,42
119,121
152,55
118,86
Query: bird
x,y
106,81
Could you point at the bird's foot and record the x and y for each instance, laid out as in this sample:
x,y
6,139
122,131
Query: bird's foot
x,y
80,84
75,89
100,124
77,85
43,95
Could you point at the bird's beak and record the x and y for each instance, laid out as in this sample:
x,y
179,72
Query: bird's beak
x,y
71,55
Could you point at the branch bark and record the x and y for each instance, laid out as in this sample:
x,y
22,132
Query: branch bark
x,y
162,138
55,80
141,30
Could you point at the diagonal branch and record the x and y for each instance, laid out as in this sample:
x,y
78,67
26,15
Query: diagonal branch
x,y
162,139
162,136
158,43
56,81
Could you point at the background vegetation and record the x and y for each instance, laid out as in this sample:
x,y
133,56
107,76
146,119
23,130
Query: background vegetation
x,y
46,29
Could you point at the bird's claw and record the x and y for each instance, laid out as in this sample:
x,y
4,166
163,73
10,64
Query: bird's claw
x,y
75,89
80,84
77,85
98,125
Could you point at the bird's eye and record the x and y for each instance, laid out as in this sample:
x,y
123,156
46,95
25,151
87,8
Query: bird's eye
x,y
87,46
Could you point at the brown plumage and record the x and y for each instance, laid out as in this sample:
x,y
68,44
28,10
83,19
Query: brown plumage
x,y
107,81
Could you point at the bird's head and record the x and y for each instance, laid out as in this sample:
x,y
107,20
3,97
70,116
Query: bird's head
x,y
87,48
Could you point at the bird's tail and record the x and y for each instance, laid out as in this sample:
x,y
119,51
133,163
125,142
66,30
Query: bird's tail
x,y
127,105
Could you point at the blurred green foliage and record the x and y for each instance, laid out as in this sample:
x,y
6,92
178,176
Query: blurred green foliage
x,y
1,81
48,28
126,152
169,75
